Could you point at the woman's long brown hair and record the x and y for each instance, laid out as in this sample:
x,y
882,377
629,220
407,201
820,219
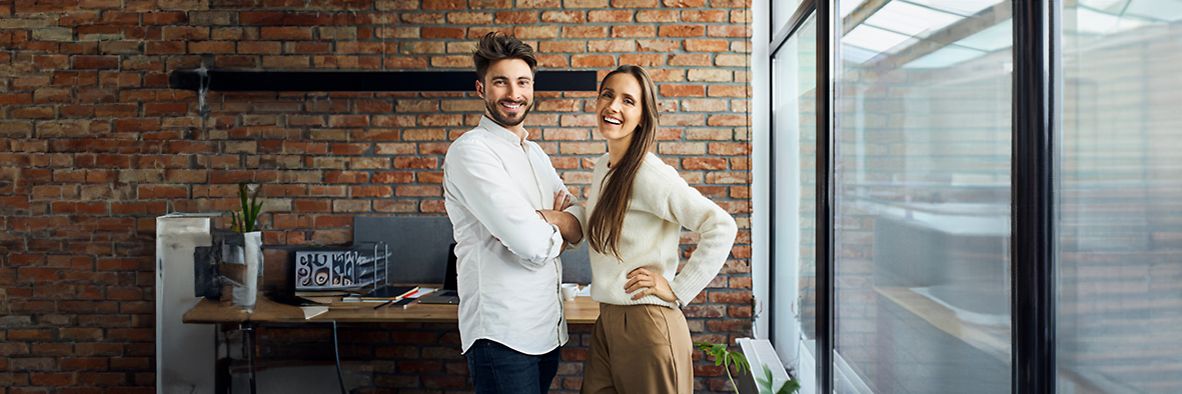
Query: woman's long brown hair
x,y
607,218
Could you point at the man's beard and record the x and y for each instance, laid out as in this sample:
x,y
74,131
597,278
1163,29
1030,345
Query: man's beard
x,y
495,113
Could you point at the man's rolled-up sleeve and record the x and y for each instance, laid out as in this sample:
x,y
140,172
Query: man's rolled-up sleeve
x,y
478,180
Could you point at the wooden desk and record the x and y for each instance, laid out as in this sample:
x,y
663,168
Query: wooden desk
x,y
583,310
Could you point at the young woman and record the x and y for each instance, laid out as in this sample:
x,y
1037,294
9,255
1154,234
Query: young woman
x,y
633,220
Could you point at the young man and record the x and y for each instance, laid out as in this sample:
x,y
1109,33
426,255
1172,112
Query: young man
x,y
496,182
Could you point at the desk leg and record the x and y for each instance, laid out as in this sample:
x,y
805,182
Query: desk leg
x,y
248,352
222,379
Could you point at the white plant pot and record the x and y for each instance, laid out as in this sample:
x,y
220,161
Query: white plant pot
x,y
246,293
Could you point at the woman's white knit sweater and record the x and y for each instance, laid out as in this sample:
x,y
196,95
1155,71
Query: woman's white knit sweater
x,y
661,204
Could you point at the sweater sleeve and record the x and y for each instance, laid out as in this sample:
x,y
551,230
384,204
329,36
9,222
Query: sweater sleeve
x,y
579,211
687,207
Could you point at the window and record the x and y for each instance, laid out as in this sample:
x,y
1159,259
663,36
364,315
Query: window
x,y
924,142
793,160
1119,215
922,191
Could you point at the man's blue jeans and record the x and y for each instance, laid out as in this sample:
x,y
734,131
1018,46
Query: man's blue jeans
x,y
497,369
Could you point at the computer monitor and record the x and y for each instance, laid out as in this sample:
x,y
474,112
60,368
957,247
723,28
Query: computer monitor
x,y
451,276
447,294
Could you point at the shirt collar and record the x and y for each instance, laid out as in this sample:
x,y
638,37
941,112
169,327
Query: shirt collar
x,y
500,131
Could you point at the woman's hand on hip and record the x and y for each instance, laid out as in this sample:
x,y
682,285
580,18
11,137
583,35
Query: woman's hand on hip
x,y
642,282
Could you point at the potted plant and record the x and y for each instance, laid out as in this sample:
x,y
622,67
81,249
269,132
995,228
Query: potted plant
x,y
246,221
250,254
726,358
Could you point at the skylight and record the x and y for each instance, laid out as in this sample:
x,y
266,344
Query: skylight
x,y
1106,5
996,37
877,39
911,19
945,57
1095,22
1168,10
959,7
846,7
855,54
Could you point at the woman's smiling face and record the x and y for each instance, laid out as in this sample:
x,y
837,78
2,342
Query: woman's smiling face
x,y
619,108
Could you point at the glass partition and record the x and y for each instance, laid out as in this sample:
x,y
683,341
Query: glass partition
x,y
922,191
1119,208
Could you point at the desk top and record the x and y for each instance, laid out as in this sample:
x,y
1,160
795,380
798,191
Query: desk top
x,y
583,310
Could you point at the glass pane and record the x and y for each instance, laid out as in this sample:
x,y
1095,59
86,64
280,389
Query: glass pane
x,y
782,10
922,199
794,163
1119,223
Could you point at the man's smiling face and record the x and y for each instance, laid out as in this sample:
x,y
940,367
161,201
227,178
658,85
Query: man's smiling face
x,y
508,91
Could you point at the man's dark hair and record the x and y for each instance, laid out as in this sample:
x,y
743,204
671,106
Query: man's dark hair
x,y
496,46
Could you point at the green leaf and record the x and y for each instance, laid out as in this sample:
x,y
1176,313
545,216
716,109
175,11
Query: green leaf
x,y
248,219
242,196
739,361
789,387
764,382
254,216
718,350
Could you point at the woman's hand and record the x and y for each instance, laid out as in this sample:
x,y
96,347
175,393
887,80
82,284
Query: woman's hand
x,y
642,282
562,200
568,225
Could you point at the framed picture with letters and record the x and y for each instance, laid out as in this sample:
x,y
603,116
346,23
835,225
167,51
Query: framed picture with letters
x,y
340,268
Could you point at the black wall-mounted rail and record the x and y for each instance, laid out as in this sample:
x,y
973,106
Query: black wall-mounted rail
x,y
363,81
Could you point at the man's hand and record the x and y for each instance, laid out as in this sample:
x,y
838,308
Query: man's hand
x,y
642,282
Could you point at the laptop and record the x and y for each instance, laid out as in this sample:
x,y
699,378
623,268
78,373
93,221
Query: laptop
x,y
447,294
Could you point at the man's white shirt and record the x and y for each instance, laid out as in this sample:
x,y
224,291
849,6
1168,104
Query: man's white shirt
x,y
507,255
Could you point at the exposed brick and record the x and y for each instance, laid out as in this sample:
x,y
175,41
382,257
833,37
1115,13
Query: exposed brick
x,y
84,62
634,31
442,32
704,163
99,145
593,61
444,4
610,15
682,31
584,31
682,90
563,17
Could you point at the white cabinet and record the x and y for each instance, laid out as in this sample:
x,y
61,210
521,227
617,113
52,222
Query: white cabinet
x,y
184,352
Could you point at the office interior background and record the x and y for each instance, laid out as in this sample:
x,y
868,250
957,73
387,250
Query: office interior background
x,y
901,278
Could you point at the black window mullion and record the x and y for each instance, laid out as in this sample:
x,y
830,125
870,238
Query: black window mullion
x,y
1032,174
826,18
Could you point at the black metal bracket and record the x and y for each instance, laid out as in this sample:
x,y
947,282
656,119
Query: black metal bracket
x,y
362,81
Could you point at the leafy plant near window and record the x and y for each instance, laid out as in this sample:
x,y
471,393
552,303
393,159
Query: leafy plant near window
x,y
726,358
765,384
247,220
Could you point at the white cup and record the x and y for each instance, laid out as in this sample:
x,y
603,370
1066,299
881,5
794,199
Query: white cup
x,y
569,290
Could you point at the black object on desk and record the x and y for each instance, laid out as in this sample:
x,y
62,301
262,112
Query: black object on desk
x,y
447,294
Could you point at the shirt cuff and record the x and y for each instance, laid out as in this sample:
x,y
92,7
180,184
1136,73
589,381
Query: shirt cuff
x,y
556,242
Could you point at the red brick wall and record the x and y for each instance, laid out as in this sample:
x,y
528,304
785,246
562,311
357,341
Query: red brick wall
x,y
94,145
